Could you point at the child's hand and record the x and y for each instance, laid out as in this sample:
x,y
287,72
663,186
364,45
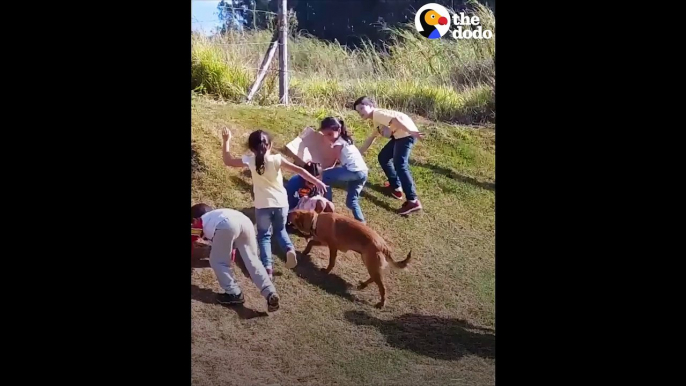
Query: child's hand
x,y
321,186
417,134
226,134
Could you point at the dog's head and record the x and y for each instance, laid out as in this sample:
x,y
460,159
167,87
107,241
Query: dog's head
x,y
302,220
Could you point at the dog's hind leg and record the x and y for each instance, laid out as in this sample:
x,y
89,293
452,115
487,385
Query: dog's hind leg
x,y
332,259
382,290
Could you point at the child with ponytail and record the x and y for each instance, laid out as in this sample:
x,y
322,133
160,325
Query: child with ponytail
x,y
353,169
271,201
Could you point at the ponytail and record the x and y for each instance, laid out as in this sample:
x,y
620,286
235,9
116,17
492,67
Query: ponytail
x,y
259,143
259,158
344,133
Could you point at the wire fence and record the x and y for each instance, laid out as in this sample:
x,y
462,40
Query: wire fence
x,y
245,50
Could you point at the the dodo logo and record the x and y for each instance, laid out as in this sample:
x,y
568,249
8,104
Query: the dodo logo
x,y
432,21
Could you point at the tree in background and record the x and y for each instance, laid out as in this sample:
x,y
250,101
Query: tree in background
x,y
245,14
348,22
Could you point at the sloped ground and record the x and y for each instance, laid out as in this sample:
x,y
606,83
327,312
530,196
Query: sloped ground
x,y
438,325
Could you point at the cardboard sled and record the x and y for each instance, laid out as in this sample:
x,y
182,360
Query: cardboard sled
x,y
312,146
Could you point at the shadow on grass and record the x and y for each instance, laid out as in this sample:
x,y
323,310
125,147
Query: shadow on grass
x,y
243,185
330,283
376,201
455,175
438,338
209,297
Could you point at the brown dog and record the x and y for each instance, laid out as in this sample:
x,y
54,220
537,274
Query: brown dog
x,y
341,233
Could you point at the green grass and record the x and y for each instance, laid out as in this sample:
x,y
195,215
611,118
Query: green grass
x,y
438,325
442,80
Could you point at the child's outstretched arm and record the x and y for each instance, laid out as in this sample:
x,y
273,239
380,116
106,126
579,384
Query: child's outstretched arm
x,y
369,141
304,173
226,156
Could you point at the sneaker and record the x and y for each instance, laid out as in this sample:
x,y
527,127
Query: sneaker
x,y
291,259
270,273
409,207
272,302
230,298
397,194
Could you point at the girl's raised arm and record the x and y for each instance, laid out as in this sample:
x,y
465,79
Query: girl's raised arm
x,y
226,156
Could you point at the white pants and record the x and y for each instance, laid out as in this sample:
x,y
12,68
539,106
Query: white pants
x,y
238,232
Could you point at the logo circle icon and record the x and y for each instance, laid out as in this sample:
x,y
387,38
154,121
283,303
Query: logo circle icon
x,y
432,21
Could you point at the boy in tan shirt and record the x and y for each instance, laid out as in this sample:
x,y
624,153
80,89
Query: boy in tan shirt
x,y
394,157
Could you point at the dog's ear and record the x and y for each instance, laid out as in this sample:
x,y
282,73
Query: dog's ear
x,y
296,218
328,208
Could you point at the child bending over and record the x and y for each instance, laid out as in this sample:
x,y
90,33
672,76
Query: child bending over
x,y
395,156
226,228
353,169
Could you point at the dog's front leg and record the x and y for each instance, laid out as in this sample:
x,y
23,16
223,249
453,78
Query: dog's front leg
x,y
309,246
332,259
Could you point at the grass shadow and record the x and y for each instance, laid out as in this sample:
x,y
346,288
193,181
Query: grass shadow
x,y
209,297
331,283
380,203
488,185
435,337
249,212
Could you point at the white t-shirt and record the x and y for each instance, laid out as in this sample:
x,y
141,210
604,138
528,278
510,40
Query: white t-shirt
x,y
383,117
350,158
211,219
268,187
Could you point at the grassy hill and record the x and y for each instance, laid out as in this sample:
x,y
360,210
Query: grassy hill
x,y
438,325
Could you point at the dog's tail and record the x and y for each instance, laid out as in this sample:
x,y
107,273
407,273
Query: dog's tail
x,y
397,264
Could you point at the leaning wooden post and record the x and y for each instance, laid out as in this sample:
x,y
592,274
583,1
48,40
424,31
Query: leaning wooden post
x,y
266,61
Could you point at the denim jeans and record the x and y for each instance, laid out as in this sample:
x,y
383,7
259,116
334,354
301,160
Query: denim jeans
x,y
268,220
355,181
294,184
394,159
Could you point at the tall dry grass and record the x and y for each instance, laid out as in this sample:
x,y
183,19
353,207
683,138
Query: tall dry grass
x,y
442,79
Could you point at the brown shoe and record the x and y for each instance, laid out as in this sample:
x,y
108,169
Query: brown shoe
x,y
409,207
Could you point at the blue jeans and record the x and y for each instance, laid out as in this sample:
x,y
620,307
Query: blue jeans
x,y
355,180
394,159
296,182
269,219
